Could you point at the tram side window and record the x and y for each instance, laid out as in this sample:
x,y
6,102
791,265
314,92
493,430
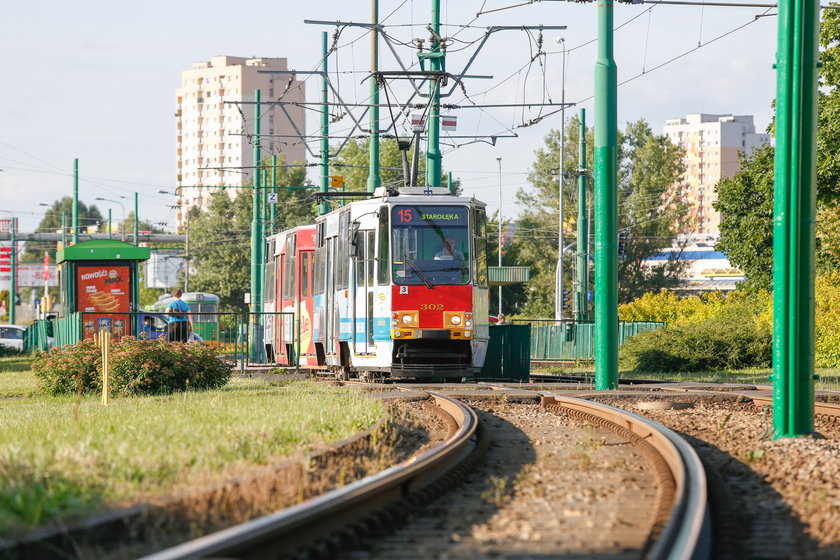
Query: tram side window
x,y
289,269
342,261
305,286
319,270
383,279
480,234
365,260
270,272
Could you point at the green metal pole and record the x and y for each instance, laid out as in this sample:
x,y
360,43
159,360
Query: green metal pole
x,y
256,233
449,182
109,224
606,205
433,157
13,284
374,177
795,218
263,198
581,301
136,220
274,191
323,208
75,218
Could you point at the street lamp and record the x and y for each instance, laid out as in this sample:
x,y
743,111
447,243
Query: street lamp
x,y
499,159
122,226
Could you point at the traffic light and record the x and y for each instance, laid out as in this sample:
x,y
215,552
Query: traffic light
x,y
567,299
622,243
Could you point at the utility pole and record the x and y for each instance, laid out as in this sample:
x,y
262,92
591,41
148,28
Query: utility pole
x,y
558,286
436,58
581,301
374,176
13,284
449,182
325,126
187,257
256,229
794,218
136,220
274,192
75,201
606,204
499,159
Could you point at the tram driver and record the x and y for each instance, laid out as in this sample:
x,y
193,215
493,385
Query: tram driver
x,y
448,251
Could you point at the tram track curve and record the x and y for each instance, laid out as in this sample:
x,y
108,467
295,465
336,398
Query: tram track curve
x,y
322,523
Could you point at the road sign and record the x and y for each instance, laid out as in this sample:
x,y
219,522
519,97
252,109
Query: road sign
x,y
272,198
337,181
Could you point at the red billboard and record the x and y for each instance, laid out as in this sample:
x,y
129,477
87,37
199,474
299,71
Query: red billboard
x,y
103,295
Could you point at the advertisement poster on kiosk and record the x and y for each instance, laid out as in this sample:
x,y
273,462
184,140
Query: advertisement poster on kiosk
x,y
105,299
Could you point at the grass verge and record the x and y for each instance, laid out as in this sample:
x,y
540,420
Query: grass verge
x,y
63,457
16,377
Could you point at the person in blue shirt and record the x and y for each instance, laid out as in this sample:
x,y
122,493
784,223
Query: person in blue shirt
x,y
180,319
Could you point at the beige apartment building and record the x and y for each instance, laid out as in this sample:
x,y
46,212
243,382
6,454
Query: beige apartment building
x,y
214,145
712,145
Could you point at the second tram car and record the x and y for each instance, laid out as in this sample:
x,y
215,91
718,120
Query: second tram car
x,y
391,286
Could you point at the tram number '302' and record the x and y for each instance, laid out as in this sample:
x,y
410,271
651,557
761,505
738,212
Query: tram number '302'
x,y
432,306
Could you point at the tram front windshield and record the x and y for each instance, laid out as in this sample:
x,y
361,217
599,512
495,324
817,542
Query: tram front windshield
x,y
430,245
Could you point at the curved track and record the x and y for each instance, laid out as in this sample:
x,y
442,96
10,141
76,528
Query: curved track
x,y
285,531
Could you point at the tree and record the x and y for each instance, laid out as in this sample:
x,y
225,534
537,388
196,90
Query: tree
x,y
745,200
745,203
352,164
51,223
648,167
220,237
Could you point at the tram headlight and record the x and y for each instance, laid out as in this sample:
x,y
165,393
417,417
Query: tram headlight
x,y
455,320
406,318
468,323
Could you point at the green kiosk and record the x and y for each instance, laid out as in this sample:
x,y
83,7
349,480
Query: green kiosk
x,y
100,283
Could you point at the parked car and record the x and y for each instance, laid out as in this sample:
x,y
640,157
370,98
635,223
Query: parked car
x,y
12,336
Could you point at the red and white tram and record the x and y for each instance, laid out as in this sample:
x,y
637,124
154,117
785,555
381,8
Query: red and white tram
x,y
390,286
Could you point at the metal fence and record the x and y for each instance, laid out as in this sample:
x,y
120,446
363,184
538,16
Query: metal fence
x,y
246,338
551,340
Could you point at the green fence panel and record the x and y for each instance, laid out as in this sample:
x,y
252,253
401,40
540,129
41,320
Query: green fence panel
x,y
35,338
508,354
576,341
68,330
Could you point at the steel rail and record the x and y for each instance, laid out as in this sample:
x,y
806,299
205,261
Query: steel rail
x,y
819,407
281,532
687,532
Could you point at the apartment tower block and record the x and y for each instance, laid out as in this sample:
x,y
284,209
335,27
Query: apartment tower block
x,y
214,138
712,144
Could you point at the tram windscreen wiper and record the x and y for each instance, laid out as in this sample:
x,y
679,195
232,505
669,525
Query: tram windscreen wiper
x,y
417,270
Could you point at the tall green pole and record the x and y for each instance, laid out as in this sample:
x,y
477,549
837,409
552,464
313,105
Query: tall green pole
x,y
256,229
75,218
13,284
449,182
606,205
374,177
581,301
794,218
323,208
274,191
136,220
433,157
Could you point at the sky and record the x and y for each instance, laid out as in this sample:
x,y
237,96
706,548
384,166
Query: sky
x,y
96,80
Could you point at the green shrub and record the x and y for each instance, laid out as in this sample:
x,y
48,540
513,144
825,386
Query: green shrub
x,y
730,341
137,367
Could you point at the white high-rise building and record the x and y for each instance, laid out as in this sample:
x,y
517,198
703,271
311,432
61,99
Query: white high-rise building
x,y
214,145
712,145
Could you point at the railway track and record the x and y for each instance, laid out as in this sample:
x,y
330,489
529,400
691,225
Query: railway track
x,y
659,514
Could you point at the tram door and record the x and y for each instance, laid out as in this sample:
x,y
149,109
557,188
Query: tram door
x,y
330,328
363,294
